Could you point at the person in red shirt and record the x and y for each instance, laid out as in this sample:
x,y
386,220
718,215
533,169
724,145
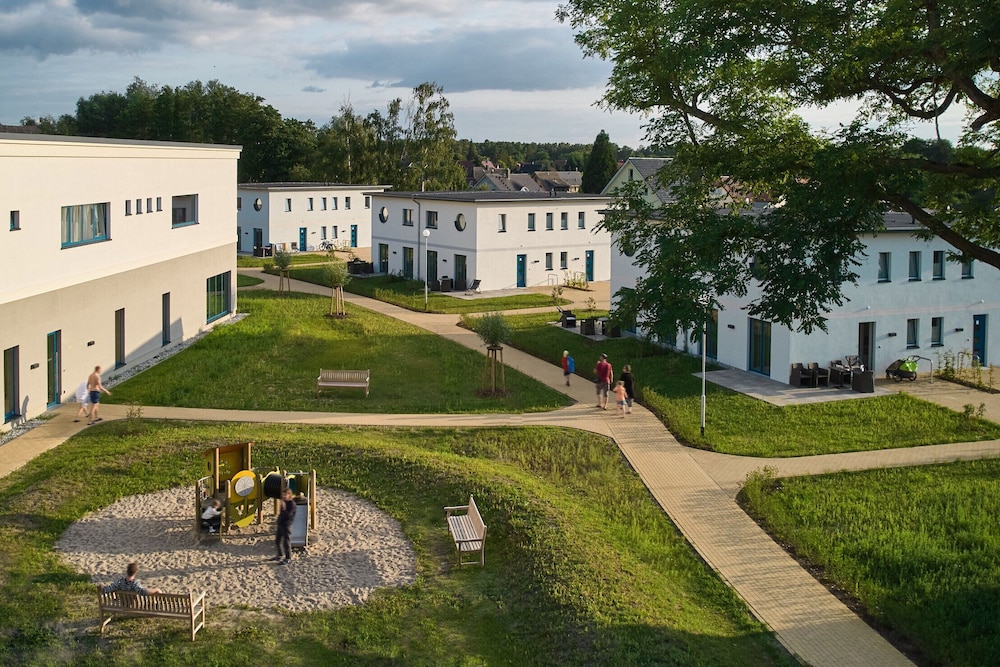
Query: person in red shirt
x,y
604,374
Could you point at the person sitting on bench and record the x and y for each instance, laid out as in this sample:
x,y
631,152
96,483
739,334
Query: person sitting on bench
x,y
129,583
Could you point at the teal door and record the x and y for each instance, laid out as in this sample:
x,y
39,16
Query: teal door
x,y
302,239
354,236
590,266
11,381
54,368
979,338
461,272
522,270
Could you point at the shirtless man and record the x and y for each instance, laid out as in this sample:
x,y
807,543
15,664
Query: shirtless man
x,y
95,388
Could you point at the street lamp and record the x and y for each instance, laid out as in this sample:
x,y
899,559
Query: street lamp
x,y
704,301
427,237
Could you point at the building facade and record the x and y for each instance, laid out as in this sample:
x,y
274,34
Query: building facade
x,y
503,239
301,216
112,251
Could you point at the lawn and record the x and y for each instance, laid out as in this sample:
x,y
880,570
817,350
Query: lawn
x,y
271,358
919,547
582,565
244,261
738,424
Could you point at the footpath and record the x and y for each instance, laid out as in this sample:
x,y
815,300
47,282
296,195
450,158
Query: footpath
x,y
695,488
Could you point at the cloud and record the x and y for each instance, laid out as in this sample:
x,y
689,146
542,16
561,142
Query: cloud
x,y
313,89
519,60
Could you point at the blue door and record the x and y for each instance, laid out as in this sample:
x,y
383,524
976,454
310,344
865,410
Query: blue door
x,y
354,236
590,266
302,239
522,270
759,357
979,338
54,368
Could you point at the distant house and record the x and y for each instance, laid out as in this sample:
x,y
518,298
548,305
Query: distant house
x,y
115,251
909,300
641,169
301,216
503,239
507,182
559,181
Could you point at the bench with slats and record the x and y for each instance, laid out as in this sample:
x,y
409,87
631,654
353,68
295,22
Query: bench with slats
x,y
468,531
343,378
187,606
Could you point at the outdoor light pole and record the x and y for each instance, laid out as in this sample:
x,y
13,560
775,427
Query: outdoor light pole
x,y
703,351
427,251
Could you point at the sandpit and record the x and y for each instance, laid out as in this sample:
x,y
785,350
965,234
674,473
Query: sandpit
x,y
355,549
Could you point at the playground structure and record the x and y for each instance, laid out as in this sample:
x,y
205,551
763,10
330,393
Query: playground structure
x,y
241,489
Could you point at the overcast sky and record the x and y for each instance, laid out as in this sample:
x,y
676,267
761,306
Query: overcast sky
x,y
510,70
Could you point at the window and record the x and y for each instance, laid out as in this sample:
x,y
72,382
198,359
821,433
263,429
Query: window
x,y
939,265
912,331
333,232
368,202
15,220
548,261
217,296
159,203
288,204
165,318
564,220
322,204
432,219
333,203
138,207
309,204
322,233
967,269
884,267
347,203
149,204
502,223
531,222
548,222
915,265
563,260
239,203
407,262
128,207
937,331
185,210
86,223
581,220
407,217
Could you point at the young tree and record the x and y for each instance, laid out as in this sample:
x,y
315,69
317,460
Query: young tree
x,y
494,331
722,86
335,272
601,165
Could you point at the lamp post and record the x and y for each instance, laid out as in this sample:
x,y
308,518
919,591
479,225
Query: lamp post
x,y
427,238
705,302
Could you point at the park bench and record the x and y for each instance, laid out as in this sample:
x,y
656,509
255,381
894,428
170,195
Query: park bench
x,y
186,606
468,531
342,378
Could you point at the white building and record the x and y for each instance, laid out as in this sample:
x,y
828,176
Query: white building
x,y
502,239
114,251
300,216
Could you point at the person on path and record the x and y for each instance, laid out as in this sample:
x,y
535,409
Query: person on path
x,y
629,382
95,388
604,374
568,366
129,583
620,396
83,398
286,517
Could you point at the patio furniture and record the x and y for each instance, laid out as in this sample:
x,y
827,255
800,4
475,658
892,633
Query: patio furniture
x,y
821,376
474,287
840,375
800,376
863,381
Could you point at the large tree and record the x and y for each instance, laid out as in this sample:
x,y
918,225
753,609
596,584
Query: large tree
x,y
601,164
720,83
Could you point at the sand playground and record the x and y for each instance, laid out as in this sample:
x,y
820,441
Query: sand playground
x,y
355,549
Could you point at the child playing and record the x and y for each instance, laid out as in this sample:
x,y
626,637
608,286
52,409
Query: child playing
x,y
621,395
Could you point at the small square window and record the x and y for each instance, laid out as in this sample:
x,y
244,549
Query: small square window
x,y
15,220
347,203
407,216
912,333
368,201
288,204
502,222
309,204
432,219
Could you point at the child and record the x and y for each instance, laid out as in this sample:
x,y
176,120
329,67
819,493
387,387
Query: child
x,y
211,518
620,396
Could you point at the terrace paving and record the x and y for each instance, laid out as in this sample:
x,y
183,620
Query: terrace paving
x,y
695,488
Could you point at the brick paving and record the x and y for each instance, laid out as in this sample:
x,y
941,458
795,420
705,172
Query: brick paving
x,y
695,488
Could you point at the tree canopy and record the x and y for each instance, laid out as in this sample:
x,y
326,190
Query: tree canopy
x,y
721,84
601,165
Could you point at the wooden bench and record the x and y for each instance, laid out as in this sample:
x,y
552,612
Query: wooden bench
x,y
342,378
186,606
468,531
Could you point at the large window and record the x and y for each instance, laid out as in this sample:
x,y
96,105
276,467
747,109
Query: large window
x,y
884,267
912,333
85,223
915,265
939,265
185,210
217,302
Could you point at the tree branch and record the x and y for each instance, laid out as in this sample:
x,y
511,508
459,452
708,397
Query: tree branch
x,y
946,233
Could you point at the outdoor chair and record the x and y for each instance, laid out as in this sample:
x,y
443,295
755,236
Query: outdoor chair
x,y
474,287
800,376
820,376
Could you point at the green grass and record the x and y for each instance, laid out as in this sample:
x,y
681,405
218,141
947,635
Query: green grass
x,y
243,280
919,547
582,565
738,424
270,361
410,294
243,261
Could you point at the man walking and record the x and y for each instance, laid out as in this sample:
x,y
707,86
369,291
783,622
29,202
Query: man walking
x,y
604,374
95,388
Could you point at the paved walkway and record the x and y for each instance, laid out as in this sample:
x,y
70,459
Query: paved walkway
x,y
695,488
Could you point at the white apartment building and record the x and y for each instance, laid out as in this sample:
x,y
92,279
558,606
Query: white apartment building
x,y
112,250
503,239
301,216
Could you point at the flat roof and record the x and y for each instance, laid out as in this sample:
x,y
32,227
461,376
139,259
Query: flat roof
x,y
23,137
493,196
306,185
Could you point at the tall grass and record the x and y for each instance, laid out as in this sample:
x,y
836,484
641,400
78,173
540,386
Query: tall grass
x,y
582,566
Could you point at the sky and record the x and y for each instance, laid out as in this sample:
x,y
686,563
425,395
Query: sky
x,y
509,69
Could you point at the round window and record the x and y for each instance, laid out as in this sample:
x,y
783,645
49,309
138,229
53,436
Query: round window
x,y
383,214
460,222
258,204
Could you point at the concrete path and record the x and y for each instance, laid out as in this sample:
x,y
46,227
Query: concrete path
x,y
695,488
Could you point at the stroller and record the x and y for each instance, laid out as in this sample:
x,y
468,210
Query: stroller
x,y
902,369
